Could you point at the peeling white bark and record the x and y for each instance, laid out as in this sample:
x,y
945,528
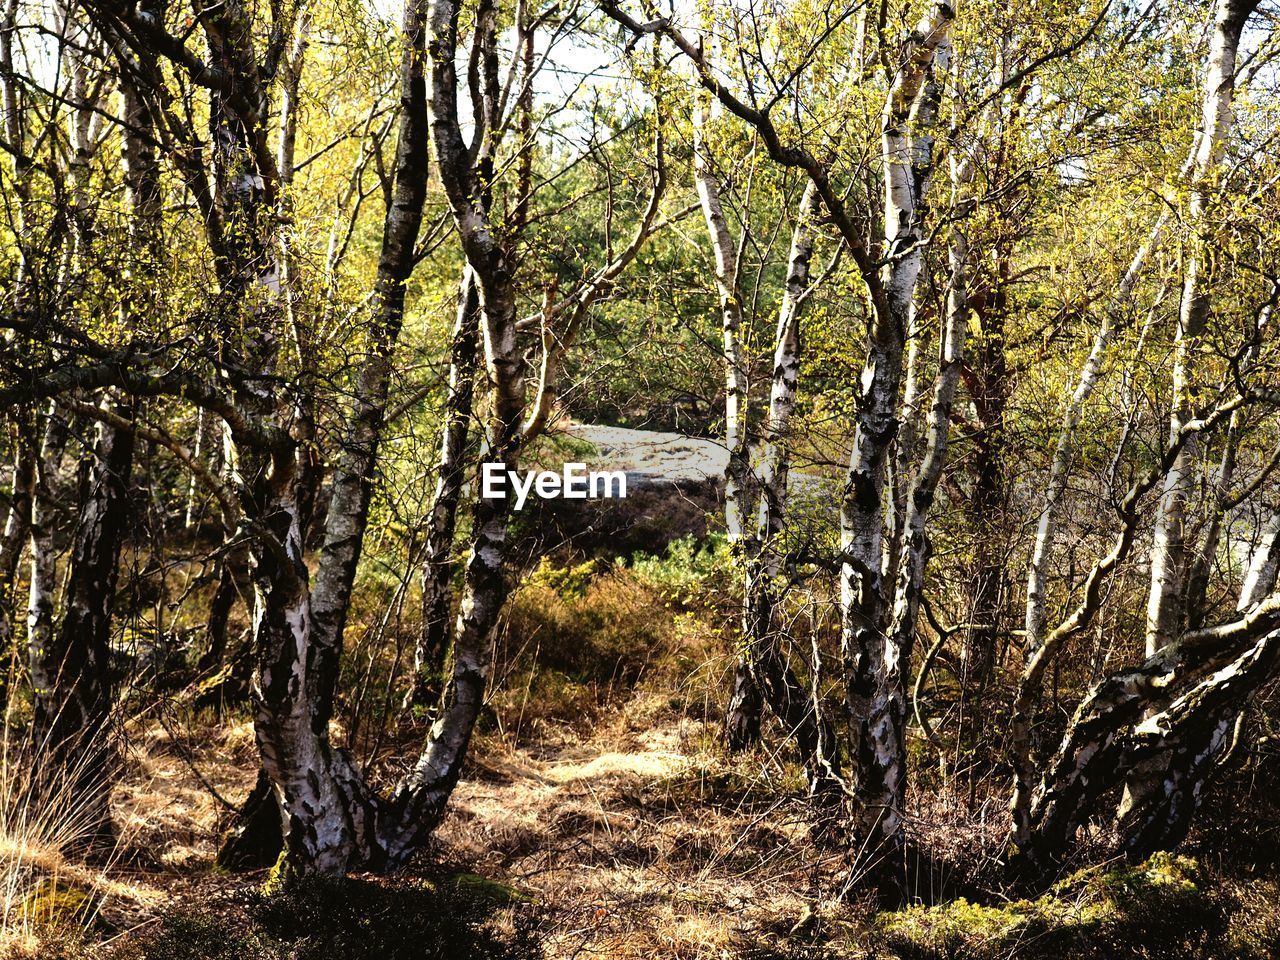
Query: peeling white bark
x,y
738,491
869,667
1168,551
882,784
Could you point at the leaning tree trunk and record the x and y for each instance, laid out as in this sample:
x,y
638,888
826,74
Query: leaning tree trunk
x,y
1173,753
1177,750
1101,747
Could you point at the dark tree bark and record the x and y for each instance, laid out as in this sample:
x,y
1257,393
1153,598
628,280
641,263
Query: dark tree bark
x,y
13,541
72,717
432,647
355,471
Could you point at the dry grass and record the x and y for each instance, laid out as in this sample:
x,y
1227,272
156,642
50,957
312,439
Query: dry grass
x,y
596,788
46,823
640,840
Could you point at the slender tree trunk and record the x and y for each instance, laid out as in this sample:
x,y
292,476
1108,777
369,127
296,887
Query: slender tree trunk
x,y
199,449
990,388
871,670
1168,552
354,474
742,714
803,715
41,654
431,649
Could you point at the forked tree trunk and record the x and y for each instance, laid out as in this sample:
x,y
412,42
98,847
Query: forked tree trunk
x,y
333,822
871,669
882,784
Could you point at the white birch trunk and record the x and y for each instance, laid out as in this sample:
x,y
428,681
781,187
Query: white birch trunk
x,y
863,604
438,564
1168,551
882,784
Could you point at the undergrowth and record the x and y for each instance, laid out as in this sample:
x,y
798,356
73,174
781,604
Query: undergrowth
x,y
352,919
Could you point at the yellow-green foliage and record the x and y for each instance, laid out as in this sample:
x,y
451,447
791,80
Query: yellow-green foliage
x,y
1162,909
687,564
54,903
590,626
578,634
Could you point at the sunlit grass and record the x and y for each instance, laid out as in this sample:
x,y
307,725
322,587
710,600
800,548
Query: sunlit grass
x,y
47,822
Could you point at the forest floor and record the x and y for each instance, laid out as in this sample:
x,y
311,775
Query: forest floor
x,y
598,817
637,840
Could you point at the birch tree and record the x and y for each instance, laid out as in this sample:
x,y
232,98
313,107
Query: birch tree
x,y
1168,554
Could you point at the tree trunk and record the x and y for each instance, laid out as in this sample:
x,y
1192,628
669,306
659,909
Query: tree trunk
x,y
872,670
353,477
742,714
13,541
1178,749
41,653
1126,708
431,650
72,717
1168,551
882,784
989,389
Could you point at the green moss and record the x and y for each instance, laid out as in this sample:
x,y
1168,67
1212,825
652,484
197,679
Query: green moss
x,y
473,888
1160,909
56,903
